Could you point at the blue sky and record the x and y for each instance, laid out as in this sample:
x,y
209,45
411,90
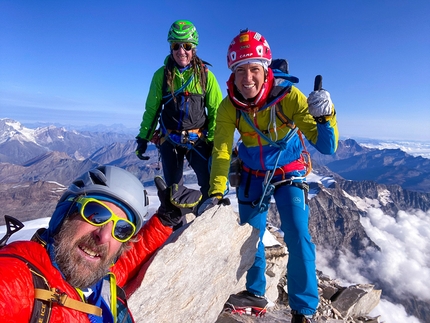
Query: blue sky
x,y
91,62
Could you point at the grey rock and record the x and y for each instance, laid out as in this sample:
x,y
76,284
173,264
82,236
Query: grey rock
x,y
328,291
192,276
357,300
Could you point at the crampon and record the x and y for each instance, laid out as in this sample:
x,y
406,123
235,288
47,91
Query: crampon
x,y
246,310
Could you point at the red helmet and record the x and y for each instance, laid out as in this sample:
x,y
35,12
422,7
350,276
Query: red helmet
x,y
248,45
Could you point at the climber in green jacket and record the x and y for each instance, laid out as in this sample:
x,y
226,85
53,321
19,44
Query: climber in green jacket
x,y
183,99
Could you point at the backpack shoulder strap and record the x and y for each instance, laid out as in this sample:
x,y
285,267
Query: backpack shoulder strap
x,y
166,95
42,308
45,296
279,113
164,84
205,66
238,114
281,116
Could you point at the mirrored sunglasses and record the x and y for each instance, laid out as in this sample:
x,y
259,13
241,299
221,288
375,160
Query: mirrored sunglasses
x,y
186,46
98,214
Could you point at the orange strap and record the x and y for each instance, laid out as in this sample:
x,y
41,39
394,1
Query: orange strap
x,y
53,296
255,134
199,132
305,157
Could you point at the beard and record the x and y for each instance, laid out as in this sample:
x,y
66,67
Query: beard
x,y
79,272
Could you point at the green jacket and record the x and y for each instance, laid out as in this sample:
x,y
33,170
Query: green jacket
x,y
192,109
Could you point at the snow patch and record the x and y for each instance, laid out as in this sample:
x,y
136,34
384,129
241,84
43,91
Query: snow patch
x,y
19,132
326,181
54,182
20,185
363,204
384,197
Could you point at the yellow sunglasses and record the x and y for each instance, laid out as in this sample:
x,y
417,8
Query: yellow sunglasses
x,y
98,214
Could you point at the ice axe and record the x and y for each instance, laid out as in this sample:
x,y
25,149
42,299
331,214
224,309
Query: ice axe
x,y
12,225
160,184
318,83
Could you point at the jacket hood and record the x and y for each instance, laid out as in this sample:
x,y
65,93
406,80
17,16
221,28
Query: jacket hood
x,y
61,211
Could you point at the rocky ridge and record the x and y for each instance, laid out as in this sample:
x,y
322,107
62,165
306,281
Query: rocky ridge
x,y
218,252
35,170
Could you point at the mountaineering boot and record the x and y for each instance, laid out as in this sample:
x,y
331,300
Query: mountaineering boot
x,y
246,303
300,318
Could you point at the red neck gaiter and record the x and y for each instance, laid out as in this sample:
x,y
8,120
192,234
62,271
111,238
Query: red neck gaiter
x,y
251,104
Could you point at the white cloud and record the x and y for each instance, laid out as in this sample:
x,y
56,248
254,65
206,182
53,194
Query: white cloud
x,y
413,148
391,313
403,262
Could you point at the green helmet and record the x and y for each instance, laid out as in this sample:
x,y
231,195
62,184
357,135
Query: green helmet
x,y
183,31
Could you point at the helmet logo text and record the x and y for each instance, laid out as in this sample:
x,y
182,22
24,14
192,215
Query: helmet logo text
x,y
246,55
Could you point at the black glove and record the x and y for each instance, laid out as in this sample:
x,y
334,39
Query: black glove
x,y
142,145
210,143
175,202
211,202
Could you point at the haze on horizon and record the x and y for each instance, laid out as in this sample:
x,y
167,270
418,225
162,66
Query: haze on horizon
x,y
87,63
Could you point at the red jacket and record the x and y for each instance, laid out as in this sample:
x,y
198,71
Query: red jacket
x,y
16,281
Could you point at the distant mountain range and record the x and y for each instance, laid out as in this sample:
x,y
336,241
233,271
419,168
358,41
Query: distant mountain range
x,y
36,165
26,147
386,166
19,145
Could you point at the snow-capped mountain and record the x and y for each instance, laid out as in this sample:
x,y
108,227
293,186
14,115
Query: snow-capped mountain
x,y
23,144
386,166
11,129
357,196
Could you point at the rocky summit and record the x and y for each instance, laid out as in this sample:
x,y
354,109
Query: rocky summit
x,y
217,252
36,165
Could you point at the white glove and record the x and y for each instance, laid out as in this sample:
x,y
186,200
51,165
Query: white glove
x,y
319,103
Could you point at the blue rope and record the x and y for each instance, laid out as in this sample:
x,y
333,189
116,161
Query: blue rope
x,y
186,145
178,90
281,145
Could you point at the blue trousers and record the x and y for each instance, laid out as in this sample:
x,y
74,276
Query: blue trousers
x,y
294,213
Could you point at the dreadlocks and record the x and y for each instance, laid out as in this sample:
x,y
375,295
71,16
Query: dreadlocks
x,y
196,65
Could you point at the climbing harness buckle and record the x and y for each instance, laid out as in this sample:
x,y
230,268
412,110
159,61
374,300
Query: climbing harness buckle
x,y
184,137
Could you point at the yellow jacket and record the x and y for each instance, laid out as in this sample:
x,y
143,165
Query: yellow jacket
x,y
255,152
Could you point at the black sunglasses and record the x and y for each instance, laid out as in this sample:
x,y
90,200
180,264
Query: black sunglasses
x,y
186,46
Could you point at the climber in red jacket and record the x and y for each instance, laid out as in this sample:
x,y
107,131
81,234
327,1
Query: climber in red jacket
x,y
96,242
